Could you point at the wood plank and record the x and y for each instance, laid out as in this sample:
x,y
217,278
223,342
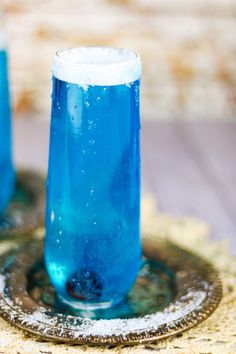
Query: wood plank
x,y
214,149
189,167
31,138
179,181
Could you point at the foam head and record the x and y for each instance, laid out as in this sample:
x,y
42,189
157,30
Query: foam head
x,y
102,66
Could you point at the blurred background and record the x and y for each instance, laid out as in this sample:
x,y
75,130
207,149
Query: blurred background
x,y
188,50
188,98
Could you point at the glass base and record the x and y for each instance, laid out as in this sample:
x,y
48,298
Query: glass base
x,y
90,306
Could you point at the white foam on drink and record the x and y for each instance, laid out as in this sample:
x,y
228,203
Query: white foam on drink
x,y
102,66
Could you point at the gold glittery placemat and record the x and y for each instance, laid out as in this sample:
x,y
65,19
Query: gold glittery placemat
x,y
216,335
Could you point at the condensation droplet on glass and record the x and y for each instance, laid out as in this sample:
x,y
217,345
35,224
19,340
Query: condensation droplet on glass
x,y
137,94
98,98
92,191
92,142
83,152
82,172
52,216
90,124
60,232
87,104
58,241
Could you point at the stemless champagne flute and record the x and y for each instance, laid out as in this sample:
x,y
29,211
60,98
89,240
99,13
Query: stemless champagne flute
x,y
93,246
6,167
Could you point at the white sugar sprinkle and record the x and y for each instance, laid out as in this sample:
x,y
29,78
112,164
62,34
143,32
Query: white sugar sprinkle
x,y
2,283
79,326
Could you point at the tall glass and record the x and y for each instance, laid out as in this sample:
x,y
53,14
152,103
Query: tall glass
x,y
93,246
6,166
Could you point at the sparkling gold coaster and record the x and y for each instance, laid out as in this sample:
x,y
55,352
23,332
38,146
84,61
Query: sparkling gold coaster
x,y
175,291
27,207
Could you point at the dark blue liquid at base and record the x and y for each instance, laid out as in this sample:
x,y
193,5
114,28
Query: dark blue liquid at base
x,y
6,167
93,247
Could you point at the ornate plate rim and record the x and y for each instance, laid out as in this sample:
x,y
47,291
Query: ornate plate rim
x,y
12,313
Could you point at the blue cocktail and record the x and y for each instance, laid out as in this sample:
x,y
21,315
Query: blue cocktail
x,y
93,247
6,167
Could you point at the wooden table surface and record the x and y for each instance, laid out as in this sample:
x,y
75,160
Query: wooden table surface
x,y
189,167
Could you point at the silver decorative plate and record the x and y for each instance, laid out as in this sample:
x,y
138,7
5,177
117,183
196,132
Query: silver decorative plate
x,y
175,291
26,210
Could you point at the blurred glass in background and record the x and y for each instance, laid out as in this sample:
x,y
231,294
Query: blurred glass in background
x,y
6,166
